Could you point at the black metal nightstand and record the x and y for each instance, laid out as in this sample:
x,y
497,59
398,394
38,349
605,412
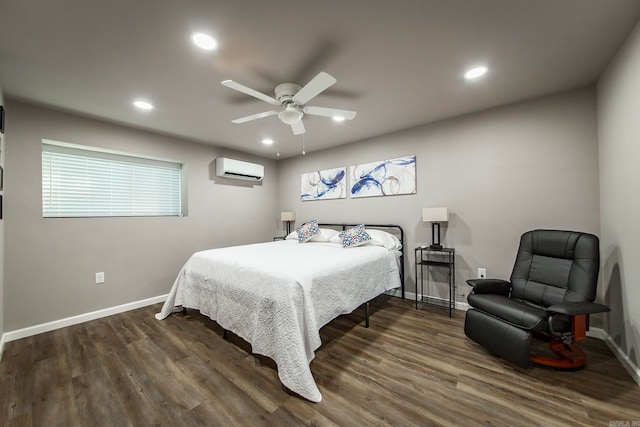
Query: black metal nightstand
x,y
279,238
444,257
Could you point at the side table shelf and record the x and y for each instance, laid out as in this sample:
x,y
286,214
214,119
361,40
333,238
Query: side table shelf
x,y
425,258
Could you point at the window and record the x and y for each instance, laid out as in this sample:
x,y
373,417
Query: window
x,y
80,181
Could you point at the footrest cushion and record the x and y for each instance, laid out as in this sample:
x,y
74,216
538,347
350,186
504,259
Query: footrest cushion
x,y
500,338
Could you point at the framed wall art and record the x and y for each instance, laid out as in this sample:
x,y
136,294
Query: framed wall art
x,y
324,184
384,178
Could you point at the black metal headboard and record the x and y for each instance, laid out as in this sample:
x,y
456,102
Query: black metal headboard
x,y
388,226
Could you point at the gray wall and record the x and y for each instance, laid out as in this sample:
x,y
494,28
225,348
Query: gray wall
x,y
500,172
50,263
2,143
619,145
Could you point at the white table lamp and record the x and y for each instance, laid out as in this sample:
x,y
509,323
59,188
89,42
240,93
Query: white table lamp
x,y
435,216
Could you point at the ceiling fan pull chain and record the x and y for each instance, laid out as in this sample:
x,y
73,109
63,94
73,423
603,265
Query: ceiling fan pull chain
x,y
277,138
303,153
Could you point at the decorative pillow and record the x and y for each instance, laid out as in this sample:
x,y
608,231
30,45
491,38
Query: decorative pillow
x,y
355,236
337,238
307,230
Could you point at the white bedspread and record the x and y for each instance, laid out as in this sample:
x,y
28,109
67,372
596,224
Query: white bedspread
x,y
278,295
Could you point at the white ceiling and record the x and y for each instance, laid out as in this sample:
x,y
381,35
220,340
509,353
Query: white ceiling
x,y
398,63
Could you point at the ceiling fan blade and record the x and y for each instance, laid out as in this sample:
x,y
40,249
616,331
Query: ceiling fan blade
x,y
298,128
329,112
317,84
242,88
255,116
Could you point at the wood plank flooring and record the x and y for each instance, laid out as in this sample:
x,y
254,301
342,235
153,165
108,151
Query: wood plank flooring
x,y
410,368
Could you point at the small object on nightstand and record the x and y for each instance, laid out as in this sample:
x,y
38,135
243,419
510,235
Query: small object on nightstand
x,y
426,257
279,238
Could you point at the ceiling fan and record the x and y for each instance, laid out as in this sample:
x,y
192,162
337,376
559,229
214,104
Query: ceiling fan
x,y
292,98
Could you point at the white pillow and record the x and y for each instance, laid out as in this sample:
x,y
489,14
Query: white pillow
x,y
292,236
384,239
325,235
378,238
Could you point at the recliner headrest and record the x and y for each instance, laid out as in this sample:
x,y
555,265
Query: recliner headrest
x,y
555,243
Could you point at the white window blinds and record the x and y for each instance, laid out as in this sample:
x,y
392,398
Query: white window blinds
x,y
85,183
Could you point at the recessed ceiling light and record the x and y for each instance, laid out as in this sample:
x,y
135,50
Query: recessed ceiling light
x,y
143,105
204,41
338,119
267,141
474,73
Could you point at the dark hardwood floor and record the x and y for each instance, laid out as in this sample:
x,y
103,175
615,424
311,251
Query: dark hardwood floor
x,y
411,367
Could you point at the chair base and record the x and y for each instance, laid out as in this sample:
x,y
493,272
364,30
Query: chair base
x,y
566,360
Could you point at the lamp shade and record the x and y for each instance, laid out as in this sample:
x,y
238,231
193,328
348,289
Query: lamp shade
x,y
287,216
435,214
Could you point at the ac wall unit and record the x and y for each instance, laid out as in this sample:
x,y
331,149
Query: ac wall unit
x,y
230,168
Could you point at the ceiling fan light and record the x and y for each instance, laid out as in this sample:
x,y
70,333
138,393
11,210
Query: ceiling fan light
x,y
290,116
338,119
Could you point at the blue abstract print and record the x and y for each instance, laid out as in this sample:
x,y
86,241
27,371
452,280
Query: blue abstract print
x,y
325,184
385,178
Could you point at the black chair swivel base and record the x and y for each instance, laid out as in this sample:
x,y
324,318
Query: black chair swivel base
x,y
569,356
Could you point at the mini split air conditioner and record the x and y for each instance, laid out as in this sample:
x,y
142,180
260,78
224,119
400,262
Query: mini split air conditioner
x,y
230,168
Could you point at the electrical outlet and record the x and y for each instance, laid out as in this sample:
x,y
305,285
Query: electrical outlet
x,y
482,273
99,278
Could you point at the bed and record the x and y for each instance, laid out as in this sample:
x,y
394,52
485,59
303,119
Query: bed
x,y
277,295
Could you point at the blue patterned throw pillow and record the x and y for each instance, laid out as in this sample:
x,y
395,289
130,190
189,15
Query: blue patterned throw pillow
x,y
307,230
355,236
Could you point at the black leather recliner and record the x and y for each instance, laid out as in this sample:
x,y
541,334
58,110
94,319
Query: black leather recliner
x,y
550,294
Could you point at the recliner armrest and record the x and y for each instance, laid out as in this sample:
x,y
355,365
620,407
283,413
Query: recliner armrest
x,y
490,286
575,308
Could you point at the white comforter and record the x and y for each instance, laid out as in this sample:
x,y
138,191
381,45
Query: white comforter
x,y
278,295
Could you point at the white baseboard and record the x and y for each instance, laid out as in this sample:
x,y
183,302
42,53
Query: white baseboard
x,y
395,293
628,364
597,333
2,341
462,306
412,296
62,323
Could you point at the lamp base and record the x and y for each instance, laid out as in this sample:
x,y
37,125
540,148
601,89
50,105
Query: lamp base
x,y
436,246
